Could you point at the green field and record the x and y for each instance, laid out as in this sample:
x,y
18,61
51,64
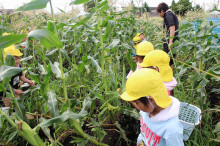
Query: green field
x,y
79,65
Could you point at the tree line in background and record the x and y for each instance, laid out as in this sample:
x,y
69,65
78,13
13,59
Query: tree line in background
x,y
180,7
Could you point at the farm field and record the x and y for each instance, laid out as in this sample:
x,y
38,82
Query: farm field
x,y
79,66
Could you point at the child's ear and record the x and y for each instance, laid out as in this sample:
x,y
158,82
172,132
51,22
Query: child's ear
x,y
152,100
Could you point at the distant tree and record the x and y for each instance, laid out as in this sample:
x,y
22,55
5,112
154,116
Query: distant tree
x,y
132,3
173,6
197,8
88,6
182,6
146,8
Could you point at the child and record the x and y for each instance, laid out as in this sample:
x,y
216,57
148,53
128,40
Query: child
x,y
161,60
159,112
16,78
141,35
136,41
142,49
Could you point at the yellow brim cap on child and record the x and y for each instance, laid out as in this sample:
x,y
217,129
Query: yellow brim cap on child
x,y
12,51
161,60
147,82
136,39
138,34
144,48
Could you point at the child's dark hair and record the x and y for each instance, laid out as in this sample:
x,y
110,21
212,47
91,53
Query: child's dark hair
x,y
142,57
144,100
162,6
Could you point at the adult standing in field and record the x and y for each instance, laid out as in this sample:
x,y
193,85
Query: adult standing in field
x,y
170,26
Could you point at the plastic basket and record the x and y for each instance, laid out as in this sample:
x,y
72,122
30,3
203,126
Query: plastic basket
x,y
189,116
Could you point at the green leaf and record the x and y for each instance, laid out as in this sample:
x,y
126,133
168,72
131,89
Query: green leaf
x,y
65,116
46,38
12,135
20,109
86,18
52,103
130,112
2,88
77,2
26,58
8,40
46,123
35,77
103,6
10,61
34,5
114,43
50,26
41,68
108,30
217,128
122,132
86,104
96,64
56,69
71,115
131,63
9,71
99,96
126,46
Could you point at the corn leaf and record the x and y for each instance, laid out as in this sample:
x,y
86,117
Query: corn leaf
x,y
114,43
77,2
8,40
52,103
46,38
9,71
96,64
56,69
34,5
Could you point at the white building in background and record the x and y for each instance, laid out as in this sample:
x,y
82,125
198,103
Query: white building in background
x,y
215,14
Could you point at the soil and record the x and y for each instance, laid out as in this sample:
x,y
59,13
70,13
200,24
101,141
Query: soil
x,y
113,137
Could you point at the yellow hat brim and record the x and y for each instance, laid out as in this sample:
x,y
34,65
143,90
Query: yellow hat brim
x,y
142,64
127,97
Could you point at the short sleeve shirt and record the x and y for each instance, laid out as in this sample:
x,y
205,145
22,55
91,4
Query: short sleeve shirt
x,y
171,19
15,80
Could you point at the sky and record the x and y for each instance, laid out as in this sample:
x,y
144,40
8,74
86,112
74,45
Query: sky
x,y
64,4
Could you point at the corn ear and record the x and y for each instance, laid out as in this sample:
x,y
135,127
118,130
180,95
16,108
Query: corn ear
x,y
30,135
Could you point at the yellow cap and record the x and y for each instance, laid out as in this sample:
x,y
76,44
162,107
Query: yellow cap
x,y
144,47
160,59
11,49
147,82
4,34
136,39
138,34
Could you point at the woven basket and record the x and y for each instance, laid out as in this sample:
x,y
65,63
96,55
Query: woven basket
x,y
189,116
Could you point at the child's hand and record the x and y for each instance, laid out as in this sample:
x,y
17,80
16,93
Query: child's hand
x,y
18,92
30,82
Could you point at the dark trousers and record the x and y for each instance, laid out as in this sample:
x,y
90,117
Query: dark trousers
x,y
166,49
